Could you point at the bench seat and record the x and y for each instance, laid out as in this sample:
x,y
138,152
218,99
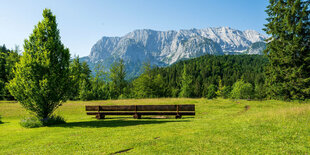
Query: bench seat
x,y
138,110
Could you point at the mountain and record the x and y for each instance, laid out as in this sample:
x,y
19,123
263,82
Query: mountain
x,y
162,48
256,48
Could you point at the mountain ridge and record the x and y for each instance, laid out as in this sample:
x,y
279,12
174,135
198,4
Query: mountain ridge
x,y
163,48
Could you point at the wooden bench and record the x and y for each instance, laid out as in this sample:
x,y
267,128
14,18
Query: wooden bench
x,y
138,110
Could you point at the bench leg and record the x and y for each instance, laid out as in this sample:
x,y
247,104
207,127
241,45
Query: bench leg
x,y
178,116
137,116
100,116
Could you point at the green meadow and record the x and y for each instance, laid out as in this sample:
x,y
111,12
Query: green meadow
x,y
221,126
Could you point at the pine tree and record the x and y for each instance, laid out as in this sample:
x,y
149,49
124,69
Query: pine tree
x,y
75,76
219,91
100,88
186,89
211,91
41,78
117,76
144,85
84,83
288,49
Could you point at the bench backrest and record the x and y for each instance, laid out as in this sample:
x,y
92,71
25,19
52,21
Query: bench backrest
x,y
184,107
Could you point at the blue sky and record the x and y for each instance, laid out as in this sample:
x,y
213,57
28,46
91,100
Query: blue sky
x,y
83,22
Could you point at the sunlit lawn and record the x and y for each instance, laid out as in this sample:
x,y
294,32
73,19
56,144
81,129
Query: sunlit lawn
x,y
219,127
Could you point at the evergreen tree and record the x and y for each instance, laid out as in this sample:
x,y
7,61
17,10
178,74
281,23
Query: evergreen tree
x,y
186,89
84,83
117,76
8,58
288,49
41,77
75,76
100,88
219,91
226,92
3,77
211,91
143,85
159,87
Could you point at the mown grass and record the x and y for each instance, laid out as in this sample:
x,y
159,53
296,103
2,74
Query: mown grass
x,y
219,127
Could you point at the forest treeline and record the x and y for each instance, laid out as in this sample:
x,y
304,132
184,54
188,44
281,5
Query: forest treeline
x,y
209,74
229,76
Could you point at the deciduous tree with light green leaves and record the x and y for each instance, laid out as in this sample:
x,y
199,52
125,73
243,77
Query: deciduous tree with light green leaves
x,y
41,78
241,90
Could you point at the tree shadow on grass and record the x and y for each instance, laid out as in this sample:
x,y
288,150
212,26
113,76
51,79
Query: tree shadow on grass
x,y
114,123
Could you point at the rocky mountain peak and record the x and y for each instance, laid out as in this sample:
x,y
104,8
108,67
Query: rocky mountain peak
x,y
163,48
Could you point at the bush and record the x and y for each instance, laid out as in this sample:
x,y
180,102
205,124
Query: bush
x,y
53,121
33,122
242,90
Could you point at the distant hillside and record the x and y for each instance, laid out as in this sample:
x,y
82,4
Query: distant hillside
x,y
209,69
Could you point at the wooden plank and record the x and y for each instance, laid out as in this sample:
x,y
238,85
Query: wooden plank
x,y
142,113
184,107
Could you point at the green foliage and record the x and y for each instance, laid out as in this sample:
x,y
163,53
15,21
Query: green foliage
x,y
186,84
148,84
117,76
41,77
8,58
31,122
212,89
226,92
85,92
85,83
53,120
241,90
219,91
260,91
34,122
203,71
100,88
288,73
75,77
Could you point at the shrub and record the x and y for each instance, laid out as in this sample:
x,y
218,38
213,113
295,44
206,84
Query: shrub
x,y
31,122
241,90
53,121
34,122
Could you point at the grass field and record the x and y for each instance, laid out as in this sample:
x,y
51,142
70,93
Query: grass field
x,y
219,127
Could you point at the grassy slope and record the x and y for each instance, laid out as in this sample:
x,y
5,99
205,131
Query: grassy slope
x,y
219,127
